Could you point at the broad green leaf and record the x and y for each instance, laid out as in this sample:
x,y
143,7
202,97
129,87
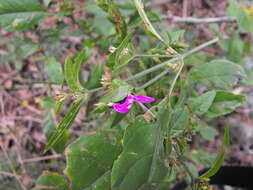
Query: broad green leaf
x,y
218,73
220,157
72,68
100,22
114,58
20,14
203,158
140,8
202,103
140,166
90,159
54,70
51,180
179,118
207,132
233,46
224,103
64,125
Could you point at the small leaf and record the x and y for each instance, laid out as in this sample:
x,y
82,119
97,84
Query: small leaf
x,y
201,104
51,181
218,73
54,70
179,118
114,58
89,161
224,103
219,159
49,124
95,75
207,132
64,125
20,14
120,90
72,68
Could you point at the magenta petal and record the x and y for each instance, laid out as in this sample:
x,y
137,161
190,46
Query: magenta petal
x,y
144,99
122,108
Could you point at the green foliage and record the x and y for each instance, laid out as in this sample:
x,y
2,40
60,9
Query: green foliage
x,y
54,70
145,148
64,125
224,103
120,90
201,104
244,19
90,159
72,68
20,14
219,158
140,165
218,73
51,180
49,124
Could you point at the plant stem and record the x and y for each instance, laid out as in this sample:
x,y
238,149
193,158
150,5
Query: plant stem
x,y
150,55
156,67
199,20
150,82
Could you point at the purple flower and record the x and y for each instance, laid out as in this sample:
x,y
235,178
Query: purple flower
x,y
127,104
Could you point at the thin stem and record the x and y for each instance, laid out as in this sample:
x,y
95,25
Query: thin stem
x,y
55,156
199,20
181,66
152,55
150,82
198,48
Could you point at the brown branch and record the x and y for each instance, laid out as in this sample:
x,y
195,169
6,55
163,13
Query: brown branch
x,y
194,20
37,159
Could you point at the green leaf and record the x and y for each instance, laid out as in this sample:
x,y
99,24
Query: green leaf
x,y
72,68
49,124
140,166
218,73
244,19
90,159
220,157
54,70
64,125
224,103
114,58
20,14
140,8
207,132
51,180
120,90
179,118
95,76
201,104
203,158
